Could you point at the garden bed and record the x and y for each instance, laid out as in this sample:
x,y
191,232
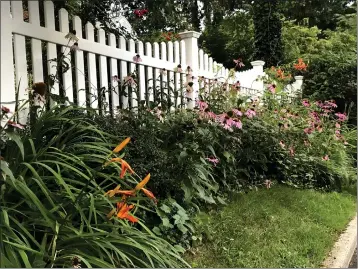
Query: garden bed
x,y
279,227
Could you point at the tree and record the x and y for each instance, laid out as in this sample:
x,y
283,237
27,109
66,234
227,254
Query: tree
x,y
320,13
232,38
268,45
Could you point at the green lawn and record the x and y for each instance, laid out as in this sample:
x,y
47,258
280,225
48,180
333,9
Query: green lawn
x,y
279,227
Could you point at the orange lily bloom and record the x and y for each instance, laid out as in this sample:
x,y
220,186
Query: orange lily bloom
x,y
149,194
130,218
114,160
117,191
141,184
124,210
125,167
122,145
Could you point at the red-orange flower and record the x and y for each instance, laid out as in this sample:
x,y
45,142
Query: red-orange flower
x,y
149,194
125,167
301,66
124,213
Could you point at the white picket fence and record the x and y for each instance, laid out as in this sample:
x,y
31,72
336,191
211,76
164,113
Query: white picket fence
x,y
100,57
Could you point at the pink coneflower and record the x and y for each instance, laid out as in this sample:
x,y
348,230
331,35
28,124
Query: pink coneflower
x,y
214,161
115,78
268,183
325,158
305,103
5,109
337,132
272,88
238,124
137,58
163,72
14,124
178,68
338,125
308,130
250,113
202,105
238,63
282,144
341,116
74,47
237,112
211,115
130,81
292,151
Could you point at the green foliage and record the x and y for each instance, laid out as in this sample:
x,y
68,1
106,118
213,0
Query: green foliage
x,y
52,203
235,34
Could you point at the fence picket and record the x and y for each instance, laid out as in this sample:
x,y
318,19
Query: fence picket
x,y
51,49
182,76
113,69
123,73
177,87
201,62
135,97
92,69
149,53
206,64
20,64
103,76
156,80
67,76
36,49
79,65
141,75
170,79
164,78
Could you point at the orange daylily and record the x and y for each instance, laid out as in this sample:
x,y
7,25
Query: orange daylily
x,y
141,184
124,213
122,145
125,167
113,192
124,210
131,218
149,194
117,191
114,160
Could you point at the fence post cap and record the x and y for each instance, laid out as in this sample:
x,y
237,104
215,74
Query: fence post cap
x,y
298,77
258,63
189,34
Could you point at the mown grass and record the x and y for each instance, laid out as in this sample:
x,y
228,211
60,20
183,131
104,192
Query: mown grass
x,y
279,227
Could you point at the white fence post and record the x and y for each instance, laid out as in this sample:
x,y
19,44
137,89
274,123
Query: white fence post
x,y
190,39
258,71
297,85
